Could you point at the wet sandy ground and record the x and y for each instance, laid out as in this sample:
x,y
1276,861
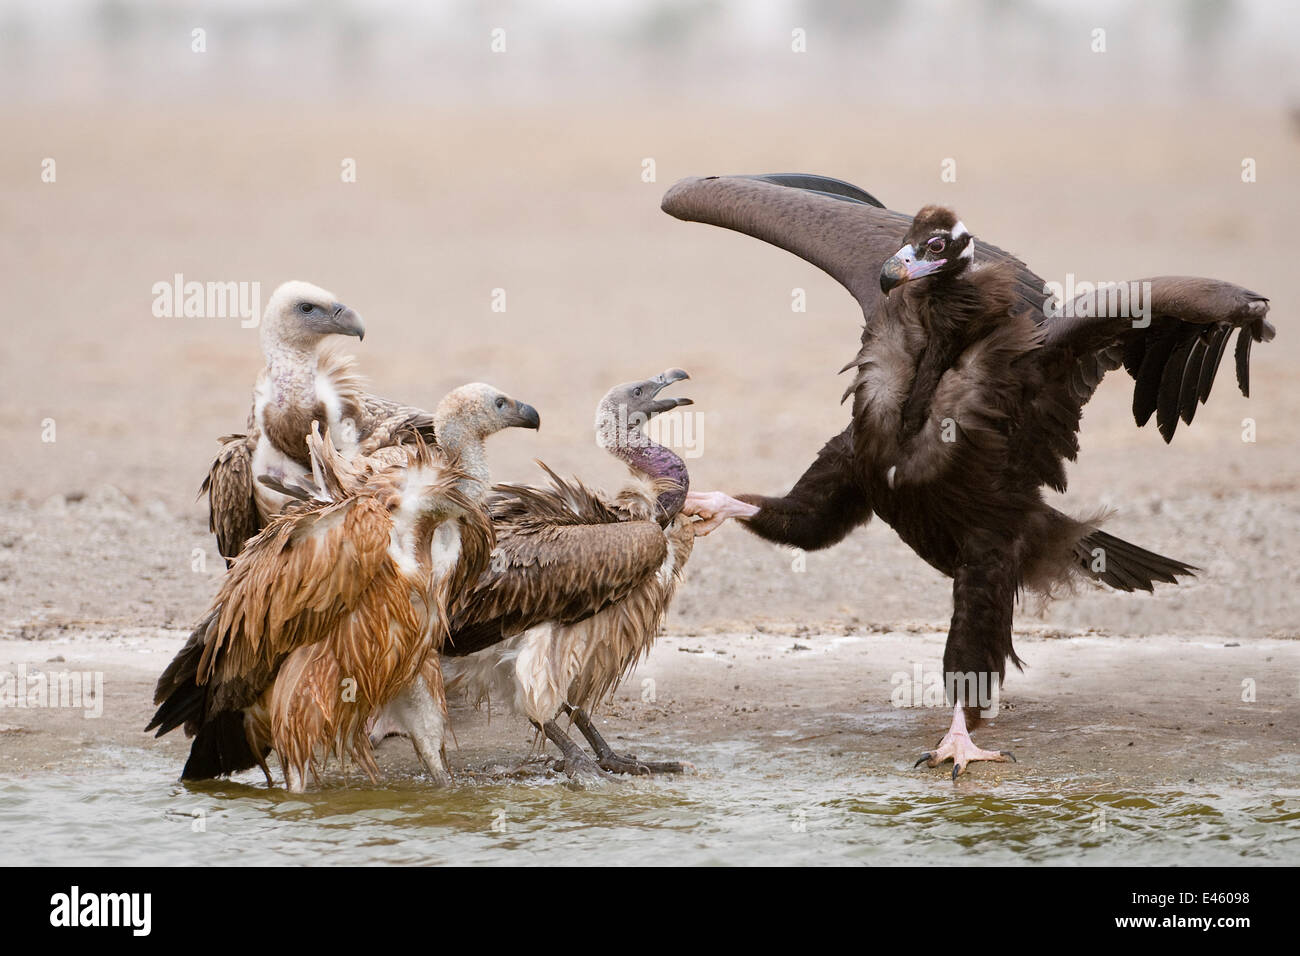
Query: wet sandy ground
x,y
1172,713
799,754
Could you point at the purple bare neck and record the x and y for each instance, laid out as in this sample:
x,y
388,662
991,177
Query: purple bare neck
x,y
655,462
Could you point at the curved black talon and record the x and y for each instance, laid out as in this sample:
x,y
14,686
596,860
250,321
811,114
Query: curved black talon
x,y
1008,753
956,769
924,758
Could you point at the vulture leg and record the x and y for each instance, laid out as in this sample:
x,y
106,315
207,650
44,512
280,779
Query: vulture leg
x,y
295,779
577,765
613,761
957,746
416,713
979,643
825,504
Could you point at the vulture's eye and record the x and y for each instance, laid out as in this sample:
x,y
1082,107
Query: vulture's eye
x,y
936,245
637,393
501,403
305,308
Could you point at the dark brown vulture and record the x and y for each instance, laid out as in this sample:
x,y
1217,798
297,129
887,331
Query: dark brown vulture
x,y
339,606
579,584
967,395
301,383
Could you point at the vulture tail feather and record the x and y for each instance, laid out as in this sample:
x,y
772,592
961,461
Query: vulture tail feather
x,y
221,747
178,694
1127,566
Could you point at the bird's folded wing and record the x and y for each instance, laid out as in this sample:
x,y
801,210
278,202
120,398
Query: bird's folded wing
x,y
232,507
380,422
554,573
1170,334
388,423
306,571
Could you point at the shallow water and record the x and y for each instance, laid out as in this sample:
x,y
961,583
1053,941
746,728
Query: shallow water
x,y
808,807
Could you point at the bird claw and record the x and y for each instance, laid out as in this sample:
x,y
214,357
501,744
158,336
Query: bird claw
x,y
713,508
627,763
957,746
582,770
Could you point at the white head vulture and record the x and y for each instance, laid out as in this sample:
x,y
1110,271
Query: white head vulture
x,y
339,606
578,585
303,381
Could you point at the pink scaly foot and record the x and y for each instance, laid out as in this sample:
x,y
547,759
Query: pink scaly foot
x,y
960,749
713,508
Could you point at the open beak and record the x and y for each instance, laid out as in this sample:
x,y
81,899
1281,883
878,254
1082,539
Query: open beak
x,y
525,416
346,322
661,381
903,266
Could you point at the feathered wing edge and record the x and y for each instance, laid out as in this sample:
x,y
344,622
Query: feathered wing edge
x,y
1172,351
232,507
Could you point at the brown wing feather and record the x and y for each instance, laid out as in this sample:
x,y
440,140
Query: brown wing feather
x,y
1173,360
380,422
294,583
389,423
232,508
628,631
561,556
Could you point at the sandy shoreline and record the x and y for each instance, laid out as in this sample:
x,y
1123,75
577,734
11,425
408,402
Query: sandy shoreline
x,y
1170,714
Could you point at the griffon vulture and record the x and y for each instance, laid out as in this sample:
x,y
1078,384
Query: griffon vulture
x,y
968,391
301,383
579,584
338,607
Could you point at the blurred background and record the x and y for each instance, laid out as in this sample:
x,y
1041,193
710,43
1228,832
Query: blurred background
x,y
525,147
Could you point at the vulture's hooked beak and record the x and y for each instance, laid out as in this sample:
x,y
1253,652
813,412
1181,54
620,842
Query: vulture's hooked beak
x,y
657,384
903,266
346,322
525,416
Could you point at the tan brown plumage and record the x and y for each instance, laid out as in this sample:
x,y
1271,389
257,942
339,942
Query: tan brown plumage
x,y
339,605
233,515
303,381
579,583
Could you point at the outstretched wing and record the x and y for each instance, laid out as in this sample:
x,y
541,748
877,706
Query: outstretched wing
x,y
561,556
1173,357
836,226
232,506
1173,361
